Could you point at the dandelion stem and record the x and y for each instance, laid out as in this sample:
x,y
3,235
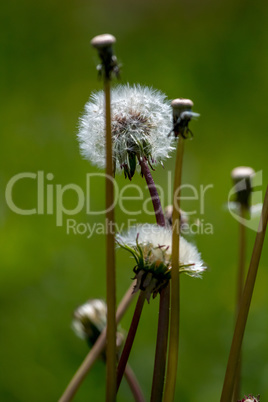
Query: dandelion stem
x,y
240,285
175,282
161,346
130,338
160,220
95,352
110,255
133,384
241,321
163,320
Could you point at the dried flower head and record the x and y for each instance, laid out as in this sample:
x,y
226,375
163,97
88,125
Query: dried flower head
x,y
104,45
140,125
182,115
151,247
242,178
89,321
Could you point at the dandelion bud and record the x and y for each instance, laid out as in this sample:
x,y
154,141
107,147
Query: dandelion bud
x,y
89,321
151,247
103,43
180,105
182,115
242,177
168,216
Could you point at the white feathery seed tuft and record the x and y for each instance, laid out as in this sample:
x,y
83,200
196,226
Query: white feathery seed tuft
x,y
141,122
156,244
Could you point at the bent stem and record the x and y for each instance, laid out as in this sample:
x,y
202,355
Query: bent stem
x,y
95,352
175,282
110,255
130,338
163,320
239,292
133,384
235,350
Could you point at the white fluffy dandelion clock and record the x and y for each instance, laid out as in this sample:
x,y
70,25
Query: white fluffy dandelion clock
x,y
140,126
151,247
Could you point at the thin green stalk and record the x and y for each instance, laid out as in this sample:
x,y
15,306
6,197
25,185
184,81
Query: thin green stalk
x,y
130,338
235,350
110,256
239,292
95,352
175,282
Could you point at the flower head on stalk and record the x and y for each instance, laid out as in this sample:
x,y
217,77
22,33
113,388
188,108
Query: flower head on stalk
x,y
242,178
151,247
182,115
108,66
140,127
90,319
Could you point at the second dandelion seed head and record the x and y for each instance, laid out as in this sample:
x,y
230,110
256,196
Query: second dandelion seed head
x,y
151,247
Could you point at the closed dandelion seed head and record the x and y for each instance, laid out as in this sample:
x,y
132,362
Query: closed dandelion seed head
x,y
103,43
242,179
90,319
151,247
140,126
182,115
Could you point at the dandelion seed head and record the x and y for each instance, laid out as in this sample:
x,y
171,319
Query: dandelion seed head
x,y
156,244
151,247
140,125
89,318
89,321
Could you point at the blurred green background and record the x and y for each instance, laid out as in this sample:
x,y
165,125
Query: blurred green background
x,y
212,52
